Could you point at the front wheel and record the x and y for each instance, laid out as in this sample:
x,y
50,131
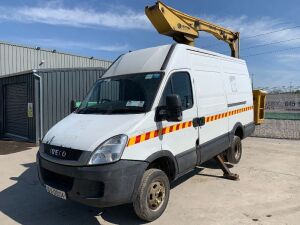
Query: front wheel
x,y
234,153
153,195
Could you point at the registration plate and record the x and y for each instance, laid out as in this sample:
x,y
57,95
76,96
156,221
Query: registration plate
x,y
55,192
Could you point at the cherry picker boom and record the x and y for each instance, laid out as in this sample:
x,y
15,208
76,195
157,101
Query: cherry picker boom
x,y
185,29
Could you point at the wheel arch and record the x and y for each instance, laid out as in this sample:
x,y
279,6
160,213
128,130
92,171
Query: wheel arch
x,y
238,130
164,156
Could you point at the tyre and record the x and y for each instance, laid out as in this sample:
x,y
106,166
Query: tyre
x,y
234,153
153,195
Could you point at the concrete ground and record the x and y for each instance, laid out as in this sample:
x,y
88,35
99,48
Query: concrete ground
x,y
268,192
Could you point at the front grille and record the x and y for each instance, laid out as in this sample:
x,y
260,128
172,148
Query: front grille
x,y
55,180
62,152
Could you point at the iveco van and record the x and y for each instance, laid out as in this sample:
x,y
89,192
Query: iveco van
x,y
155,115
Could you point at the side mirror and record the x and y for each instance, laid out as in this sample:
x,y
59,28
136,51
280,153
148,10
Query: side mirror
x,y
74,106
171,112
174,108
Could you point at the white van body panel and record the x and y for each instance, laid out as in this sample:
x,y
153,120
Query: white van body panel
x,y
140,61
218,83
216,108
211,101
86,131
145,149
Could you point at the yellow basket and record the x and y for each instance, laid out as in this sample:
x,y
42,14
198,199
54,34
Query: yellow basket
x,y
259,102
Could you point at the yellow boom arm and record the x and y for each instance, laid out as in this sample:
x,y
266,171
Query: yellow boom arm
x,y
184,28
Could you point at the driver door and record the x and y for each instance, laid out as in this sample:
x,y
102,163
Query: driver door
x,y
180,137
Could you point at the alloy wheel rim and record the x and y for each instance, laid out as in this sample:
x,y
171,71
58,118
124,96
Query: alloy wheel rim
x,y
237,150
156,195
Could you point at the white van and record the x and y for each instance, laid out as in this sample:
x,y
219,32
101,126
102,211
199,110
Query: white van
x,y
155,115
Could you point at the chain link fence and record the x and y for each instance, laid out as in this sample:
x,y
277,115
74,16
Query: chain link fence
x,y
282,117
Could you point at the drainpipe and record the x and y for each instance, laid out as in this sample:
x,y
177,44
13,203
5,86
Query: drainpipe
x,y
41,103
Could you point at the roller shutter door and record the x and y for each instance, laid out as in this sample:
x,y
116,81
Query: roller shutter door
x,y
15,110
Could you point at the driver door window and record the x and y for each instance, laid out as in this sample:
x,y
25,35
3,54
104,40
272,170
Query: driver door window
x,y
179,83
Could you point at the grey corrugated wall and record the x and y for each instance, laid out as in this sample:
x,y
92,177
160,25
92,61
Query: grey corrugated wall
x,y
16,58
62,86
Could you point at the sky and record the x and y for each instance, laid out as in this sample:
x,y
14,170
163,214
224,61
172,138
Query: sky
x,y
106,29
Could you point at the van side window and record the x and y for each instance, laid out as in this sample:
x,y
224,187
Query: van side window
x,y
180,84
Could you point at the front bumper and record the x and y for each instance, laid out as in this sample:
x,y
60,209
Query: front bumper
x,y
99,186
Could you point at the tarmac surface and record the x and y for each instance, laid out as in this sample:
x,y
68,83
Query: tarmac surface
x,y
268,192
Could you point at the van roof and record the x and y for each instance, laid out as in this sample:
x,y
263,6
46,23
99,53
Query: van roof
x,y
156,59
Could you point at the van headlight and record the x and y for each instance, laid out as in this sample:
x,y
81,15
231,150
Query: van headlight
x,y
109,151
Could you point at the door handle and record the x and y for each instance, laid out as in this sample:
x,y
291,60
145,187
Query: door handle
x,y
199,121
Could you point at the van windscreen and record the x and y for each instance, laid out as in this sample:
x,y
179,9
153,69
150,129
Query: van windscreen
x,y
125,94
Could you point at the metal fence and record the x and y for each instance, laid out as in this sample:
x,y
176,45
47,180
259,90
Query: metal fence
x,y
282,117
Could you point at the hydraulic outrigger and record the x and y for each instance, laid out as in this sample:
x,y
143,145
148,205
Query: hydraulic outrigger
x,y
185,29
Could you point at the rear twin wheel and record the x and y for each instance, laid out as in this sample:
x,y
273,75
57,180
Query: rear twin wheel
x,y
234,153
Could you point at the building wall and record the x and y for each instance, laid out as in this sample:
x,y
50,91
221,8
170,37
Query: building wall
x,y
50,93
16,58
62,86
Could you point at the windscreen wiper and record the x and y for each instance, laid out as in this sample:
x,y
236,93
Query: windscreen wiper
x,y
127,110
91,110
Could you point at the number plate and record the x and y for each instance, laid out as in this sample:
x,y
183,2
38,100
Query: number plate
x,y
55,192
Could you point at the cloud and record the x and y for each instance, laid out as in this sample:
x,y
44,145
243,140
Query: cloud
x,y
289,58
276,78
55,14
249,27
77,45
122,17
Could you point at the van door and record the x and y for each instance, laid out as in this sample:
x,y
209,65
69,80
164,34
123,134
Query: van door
x,y
212,104
180,137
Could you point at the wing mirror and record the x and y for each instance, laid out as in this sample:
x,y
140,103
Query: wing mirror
x,y
172,112
174,108
74,105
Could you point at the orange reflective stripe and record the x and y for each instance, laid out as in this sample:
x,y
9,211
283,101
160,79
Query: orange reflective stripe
x,y
153,134
131,141
170,129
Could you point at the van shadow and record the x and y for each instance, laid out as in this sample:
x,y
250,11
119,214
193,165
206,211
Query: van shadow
x,y
199,171
27,202
213,164
8,146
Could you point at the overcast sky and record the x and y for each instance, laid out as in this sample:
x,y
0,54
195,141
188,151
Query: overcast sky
x,y
106,29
